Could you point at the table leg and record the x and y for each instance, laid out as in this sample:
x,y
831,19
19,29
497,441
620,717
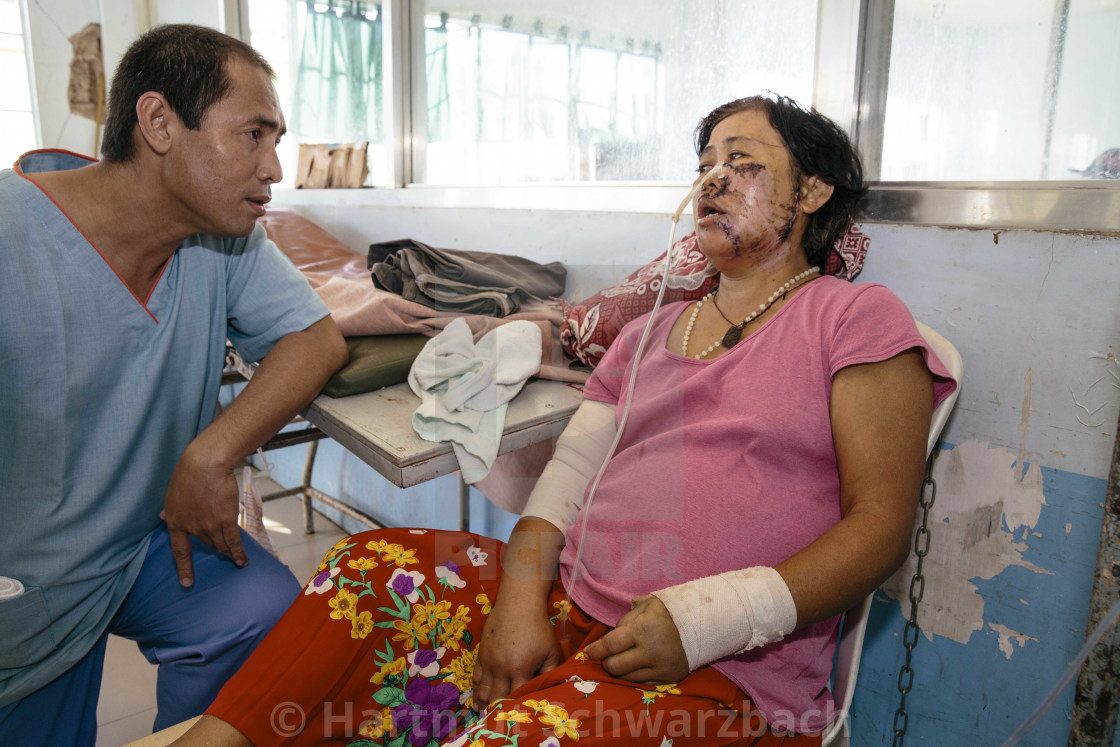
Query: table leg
x,y
464,505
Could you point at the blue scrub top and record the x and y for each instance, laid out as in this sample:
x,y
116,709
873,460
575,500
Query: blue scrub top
x,y
100,393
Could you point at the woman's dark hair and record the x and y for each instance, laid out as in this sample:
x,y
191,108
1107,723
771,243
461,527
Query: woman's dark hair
x,y
819,148
184,63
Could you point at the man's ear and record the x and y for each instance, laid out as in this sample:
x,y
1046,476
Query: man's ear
x,y
155,121
815,192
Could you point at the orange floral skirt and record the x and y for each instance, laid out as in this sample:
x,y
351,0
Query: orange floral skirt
x,y
381,646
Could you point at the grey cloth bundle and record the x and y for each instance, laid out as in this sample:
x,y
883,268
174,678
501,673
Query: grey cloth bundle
x,y
470,282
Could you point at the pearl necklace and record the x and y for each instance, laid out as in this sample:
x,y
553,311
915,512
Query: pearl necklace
x,y
735,332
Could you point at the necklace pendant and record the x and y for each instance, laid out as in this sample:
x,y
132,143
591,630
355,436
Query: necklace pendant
x,y
731,337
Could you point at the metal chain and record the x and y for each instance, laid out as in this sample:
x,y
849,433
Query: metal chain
x,y
917,591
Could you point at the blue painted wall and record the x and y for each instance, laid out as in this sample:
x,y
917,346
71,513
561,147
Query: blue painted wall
x,y
973,693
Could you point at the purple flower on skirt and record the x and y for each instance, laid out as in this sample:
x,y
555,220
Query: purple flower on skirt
x,y
424,657
429,711
322,584
406,584
403,585
425,662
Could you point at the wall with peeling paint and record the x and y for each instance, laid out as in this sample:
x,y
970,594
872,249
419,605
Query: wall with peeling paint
x,y
1020,493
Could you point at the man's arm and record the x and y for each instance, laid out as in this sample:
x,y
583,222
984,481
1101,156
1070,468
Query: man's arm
x,y
202,496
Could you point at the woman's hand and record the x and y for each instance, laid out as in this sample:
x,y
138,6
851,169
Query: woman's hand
x,y
517,644
645,646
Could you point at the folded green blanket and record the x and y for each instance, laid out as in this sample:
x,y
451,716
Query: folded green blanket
x,y
376,361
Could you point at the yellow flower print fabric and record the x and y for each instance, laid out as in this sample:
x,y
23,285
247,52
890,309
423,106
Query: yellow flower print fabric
x,y
380,650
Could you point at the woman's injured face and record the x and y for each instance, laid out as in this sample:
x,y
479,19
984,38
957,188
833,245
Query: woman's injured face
x,y
750,207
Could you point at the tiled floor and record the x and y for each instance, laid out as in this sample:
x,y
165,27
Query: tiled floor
x,y
127,705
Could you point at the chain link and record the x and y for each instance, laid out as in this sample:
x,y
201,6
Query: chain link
x,y
917,591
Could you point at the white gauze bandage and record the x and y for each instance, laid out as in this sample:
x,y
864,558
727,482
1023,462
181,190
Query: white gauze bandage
x,y
557,496
718,616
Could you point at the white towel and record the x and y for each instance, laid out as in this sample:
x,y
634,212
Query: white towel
x,y
464,388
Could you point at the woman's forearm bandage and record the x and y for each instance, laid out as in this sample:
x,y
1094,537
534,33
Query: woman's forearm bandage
x,y
558,495
730,613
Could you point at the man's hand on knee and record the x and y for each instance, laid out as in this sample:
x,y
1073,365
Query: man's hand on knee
x,y
201,500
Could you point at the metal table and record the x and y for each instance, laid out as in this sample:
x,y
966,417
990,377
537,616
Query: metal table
x,y
377,428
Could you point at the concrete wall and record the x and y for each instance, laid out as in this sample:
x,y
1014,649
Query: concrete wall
x,y
51,25
1020,488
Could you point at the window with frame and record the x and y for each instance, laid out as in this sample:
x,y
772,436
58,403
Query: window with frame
x,y
537,91
587,91
1001,91
522,106
329,61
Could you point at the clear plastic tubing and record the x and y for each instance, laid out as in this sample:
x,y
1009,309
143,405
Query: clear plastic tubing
x,y
710,175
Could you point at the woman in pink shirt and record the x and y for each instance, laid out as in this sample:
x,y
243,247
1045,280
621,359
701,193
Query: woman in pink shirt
x,y
764,482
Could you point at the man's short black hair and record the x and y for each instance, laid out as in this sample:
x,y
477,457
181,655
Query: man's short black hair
x,y
819,148
187,64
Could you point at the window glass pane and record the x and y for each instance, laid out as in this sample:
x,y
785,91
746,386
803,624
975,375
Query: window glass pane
x,y
590,91
16,119
1003,91
328,63
1086,126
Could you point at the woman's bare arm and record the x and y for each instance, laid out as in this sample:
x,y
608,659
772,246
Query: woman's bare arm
x,y
880,424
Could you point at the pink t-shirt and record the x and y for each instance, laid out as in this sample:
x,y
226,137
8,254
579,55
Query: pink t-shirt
x,y
728,463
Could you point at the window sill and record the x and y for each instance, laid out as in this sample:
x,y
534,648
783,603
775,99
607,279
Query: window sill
x,y
617,197
1065,206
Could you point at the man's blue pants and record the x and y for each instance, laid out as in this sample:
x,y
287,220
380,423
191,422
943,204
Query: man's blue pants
x,y
198,637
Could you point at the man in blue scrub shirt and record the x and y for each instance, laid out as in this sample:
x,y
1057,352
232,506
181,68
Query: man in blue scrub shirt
x,y
120,281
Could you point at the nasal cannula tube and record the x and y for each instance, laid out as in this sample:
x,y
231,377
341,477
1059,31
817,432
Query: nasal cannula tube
x,y
711,174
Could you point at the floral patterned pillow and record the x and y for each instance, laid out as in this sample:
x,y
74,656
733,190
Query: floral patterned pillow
x,y
590,326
